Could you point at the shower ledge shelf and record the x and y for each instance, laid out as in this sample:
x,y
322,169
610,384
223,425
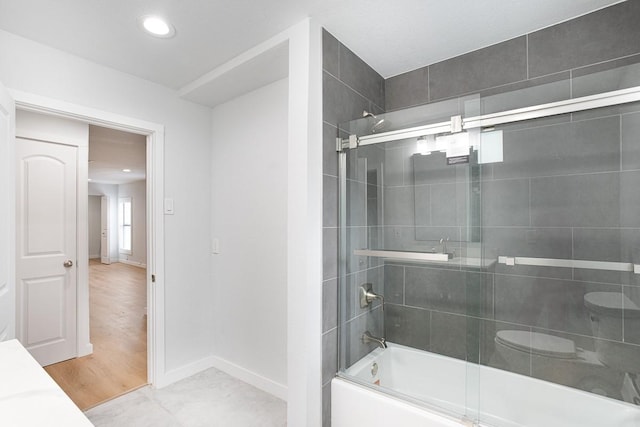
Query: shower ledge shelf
x,y
413,256
431,257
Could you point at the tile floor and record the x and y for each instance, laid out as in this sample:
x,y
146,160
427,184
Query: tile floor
x,y
210,398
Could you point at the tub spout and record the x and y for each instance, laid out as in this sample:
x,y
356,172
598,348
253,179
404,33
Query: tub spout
x,y
368,338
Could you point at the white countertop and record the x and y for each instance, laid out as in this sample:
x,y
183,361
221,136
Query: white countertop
x,y
28,395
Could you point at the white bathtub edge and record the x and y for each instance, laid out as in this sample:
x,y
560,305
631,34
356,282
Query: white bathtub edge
x,y
353,405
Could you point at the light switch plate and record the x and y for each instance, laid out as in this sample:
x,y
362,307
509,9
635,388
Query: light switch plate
x,y
168,206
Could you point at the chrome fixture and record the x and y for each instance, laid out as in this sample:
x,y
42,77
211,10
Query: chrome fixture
x,y
367,338
367,296
378,123
443,242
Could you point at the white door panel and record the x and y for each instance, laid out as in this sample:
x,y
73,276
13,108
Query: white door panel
x,y
46,240
105,248
7,283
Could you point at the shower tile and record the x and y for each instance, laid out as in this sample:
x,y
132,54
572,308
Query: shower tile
x,y
631,141
393,284
605,77
329,153
399,206
374,205
546,303
356,203
505,203
551,88
407,90
329,201
347,301
527,242
577,201
600,244
495,65
631,328
354,349
357,239
360,76
329,253
563,149
395,172
630,199
340,103
326,405
401,238
599,36
448,204
329,304
605,244
450,291
330,53
407,326
451,335
329,355
423,205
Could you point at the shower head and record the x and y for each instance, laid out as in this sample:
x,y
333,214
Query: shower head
x,y
377,123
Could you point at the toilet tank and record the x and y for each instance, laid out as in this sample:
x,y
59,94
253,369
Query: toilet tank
x,y
615,318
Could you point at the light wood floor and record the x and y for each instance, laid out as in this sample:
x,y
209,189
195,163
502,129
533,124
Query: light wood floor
x,y
118,334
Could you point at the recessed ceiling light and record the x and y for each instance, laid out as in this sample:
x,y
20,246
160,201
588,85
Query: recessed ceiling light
x,y
126,170
89,179
156,26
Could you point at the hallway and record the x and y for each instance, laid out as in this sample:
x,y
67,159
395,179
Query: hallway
x,y
118,334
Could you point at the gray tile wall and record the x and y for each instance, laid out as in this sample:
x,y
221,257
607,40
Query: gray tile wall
x,y
349,87
568,188
551,53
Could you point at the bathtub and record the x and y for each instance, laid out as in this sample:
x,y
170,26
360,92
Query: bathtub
x,y
438,390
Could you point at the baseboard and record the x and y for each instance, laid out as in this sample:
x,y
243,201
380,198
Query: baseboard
x,y
134,263
94,256
178,374
256,380
85,350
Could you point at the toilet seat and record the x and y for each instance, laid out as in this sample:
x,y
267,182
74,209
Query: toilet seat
x,y
537,343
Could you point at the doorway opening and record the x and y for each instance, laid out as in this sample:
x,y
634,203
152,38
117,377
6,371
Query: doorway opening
x,y
153,134
117,263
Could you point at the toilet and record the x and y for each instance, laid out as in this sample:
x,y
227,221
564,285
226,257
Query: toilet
x,y
609,371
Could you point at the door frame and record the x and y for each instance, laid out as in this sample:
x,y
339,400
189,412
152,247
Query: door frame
x,y
154,133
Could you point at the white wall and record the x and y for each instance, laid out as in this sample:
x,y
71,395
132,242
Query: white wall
x,y
138,192
95,225
34,68
250,220
111,191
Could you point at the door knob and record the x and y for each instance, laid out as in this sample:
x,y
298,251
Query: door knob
x,y
68,263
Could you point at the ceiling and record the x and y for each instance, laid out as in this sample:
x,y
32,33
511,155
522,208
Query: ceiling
x,y
391,36
112,150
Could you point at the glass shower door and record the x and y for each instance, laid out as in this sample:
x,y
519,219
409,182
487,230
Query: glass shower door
x,y
410,264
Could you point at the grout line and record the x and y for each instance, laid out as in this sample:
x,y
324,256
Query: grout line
x,y
404,285
530,206
571,85
527,54
428,83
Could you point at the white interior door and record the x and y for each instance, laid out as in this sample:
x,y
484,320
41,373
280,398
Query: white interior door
x,y
46,249
7,284
105,249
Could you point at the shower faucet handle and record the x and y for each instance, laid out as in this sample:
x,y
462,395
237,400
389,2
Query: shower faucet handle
x,y
367,296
